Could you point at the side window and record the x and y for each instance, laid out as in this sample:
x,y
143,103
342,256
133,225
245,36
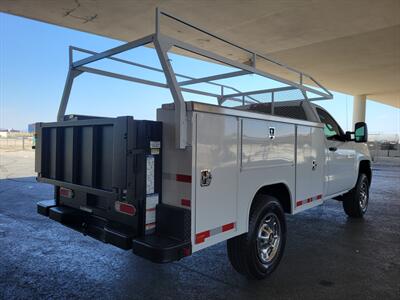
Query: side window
x,y
331,128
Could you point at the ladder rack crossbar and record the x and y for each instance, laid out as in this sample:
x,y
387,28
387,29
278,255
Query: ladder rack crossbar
x,y
163,44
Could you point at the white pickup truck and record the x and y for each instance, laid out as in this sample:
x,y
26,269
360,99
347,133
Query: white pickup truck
x,y
202,173
250,168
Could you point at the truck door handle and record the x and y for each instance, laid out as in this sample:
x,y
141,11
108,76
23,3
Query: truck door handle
x,y
333,149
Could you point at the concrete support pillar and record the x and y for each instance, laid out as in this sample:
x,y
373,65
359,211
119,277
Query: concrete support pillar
x,y
359,106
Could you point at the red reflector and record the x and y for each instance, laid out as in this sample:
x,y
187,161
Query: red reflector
x,y
227,227
200,237
125,208
66,192
185,202
319,197
299,203
184,178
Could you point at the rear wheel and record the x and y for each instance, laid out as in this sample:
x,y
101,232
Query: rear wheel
x,y
355,202
258,252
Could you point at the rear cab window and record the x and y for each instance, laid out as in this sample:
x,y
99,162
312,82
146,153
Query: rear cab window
x,y
332,129
294,111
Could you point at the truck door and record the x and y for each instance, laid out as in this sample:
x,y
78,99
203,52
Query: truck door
x,y
216,177
341,169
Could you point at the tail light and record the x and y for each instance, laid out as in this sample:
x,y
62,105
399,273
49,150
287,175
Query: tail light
x,y
67,193
125,208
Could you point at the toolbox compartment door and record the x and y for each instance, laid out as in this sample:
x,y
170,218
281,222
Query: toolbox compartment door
x,y
217,153
310,164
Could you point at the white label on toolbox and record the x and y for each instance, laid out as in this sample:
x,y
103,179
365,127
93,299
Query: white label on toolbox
x,y
155,144
155,151
151,203
150,228
151,216
149,174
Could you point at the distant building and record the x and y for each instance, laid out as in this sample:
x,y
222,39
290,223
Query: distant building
x,y
384,137
3,133
31,128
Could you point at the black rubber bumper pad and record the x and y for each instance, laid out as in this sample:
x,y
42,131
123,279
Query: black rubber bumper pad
x,y
44,206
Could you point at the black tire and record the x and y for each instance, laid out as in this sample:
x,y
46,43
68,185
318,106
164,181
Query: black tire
x,y
244,251
355,202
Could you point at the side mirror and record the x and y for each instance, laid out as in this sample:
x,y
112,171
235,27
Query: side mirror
x,y
360,132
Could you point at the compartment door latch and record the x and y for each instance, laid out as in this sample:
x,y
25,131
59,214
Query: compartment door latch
x,y
206,177
314,165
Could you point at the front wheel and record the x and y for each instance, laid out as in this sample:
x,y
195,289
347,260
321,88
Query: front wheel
x,y
355,202
258,252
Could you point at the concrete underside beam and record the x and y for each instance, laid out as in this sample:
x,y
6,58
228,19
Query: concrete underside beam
x,y
351,47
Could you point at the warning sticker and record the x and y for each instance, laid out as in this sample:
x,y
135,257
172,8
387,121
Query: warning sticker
x,y
150,174
151,203
155,144
155,151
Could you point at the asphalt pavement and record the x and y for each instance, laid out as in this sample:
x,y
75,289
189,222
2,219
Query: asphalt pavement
x,y
328,256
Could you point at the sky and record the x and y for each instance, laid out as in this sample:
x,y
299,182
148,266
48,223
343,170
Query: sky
x,y
34,65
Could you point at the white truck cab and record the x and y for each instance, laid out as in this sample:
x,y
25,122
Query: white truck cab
x,y
201,174
344,155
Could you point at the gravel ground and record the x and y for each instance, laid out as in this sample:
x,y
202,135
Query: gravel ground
x,y
15,164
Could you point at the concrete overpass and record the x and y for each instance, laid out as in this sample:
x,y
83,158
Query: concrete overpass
x,y
349,46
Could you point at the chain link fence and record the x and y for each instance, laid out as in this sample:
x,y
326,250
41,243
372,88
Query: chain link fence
x,y
16,143
383,149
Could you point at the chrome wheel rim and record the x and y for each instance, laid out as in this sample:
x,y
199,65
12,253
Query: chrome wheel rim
x,y
363,200
268,238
